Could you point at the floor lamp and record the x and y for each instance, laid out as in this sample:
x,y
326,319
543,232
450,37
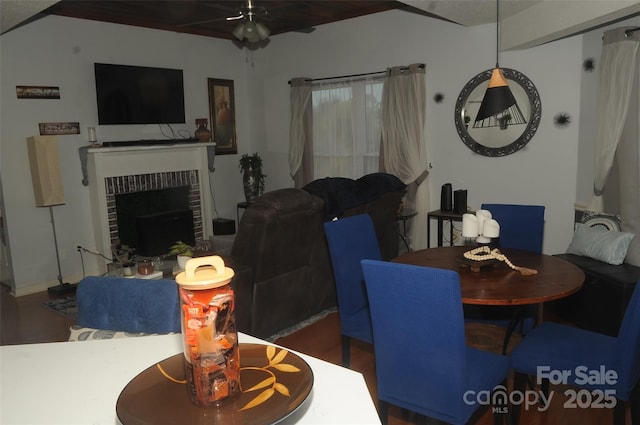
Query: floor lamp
x,y
48,190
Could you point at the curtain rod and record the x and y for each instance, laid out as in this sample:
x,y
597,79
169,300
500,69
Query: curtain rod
x,y
421,66
629,32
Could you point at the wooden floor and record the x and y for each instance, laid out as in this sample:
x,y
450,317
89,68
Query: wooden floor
x,y
24,320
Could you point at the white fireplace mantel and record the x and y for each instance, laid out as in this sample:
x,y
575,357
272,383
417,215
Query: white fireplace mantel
x,y
105,162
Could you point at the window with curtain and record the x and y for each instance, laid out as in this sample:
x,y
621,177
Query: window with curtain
x,y
346,127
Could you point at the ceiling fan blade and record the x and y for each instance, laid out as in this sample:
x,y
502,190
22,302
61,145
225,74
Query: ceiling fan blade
x,y
227,9
307,30
205,21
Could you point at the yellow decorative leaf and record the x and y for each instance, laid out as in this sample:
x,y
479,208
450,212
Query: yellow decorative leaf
x,y
271,351
282,389
261,398
277,359
270,380
171,378
284,367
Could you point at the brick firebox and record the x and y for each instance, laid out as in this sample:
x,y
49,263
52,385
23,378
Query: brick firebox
x,y
143,182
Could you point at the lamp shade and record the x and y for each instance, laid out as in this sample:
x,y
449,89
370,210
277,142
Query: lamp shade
x,y
497,98
45,171
238,31
262,31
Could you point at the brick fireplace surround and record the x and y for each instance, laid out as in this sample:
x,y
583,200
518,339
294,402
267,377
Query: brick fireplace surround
x,y
143,182
126,169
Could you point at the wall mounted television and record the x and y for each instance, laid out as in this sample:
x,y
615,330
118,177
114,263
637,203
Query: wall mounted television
x,y
139,95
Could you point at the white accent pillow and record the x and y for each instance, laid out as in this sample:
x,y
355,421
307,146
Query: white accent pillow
x,y
600,244
78,333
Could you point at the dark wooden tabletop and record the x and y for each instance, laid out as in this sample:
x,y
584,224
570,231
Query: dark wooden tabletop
x,y
500,285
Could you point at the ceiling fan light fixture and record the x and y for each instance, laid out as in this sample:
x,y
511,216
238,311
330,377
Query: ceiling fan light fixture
x,y
238,31
251,31
262,31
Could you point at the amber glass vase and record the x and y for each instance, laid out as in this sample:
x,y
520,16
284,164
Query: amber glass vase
x,y
203,134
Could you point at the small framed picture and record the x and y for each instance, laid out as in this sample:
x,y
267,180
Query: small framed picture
x,y
222,113
59,128
37,92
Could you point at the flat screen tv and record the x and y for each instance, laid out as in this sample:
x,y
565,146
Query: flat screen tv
x,y
139,95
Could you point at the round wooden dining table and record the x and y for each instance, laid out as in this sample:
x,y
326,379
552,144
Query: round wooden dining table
x,y
498,284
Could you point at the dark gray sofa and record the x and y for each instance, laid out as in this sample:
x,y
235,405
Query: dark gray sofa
x,y
281,241
600,304
609,282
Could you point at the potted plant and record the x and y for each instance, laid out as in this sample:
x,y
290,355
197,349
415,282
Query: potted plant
x,y
252,176
183,253
503,121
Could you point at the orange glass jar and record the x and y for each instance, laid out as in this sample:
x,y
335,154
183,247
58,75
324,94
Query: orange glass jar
x,y
210,338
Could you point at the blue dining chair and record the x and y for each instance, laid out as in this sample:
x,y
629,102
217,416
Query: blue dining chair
x,y
521,226
552,350
422,361
350,240
128,304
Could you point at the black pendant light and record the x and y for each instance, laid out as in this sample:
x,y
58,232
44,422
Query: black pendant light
x,y
499,106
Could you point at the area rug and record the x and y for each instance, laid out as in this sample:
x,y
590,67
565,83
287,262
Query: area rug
x,y
65,305
303,324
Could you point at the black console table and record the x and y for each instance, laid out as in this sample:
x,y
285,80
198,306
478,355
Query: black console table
x,y
441,217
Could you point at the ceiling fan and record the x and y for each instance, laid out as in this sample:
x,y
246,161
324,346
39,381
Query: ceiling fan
x,y
251,30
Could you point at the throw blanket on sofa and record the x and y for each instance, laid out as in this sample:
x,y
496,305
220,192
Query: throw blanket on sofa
x,y
340,194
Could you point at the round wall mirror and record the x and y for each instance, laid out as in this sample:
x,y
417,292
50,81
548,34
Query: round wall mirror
x,y
499,140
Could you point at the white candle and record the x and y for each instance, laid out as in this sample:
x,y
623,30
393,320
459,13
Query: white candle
x,y
92,134
482,215
469,226
491,228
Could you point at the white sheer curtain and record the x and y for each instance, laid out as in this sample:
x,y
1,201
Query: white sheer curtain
x,y
403,144
618,70
346,127
300,132
618,132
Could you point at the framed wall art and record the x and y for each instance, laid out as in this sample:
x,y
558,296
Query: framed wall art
x,y
37,92
58,128
222,113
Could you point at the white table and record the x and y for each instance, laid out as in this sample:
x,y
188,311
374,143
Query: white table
x,y
72,383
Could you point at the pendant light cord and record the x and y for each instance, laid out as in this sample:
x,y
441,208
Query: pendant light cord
x,y
497,32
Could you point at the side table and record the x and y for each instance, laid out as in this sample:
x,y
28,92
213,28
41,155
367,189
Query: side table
x,y
405,215
441,217
239,206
